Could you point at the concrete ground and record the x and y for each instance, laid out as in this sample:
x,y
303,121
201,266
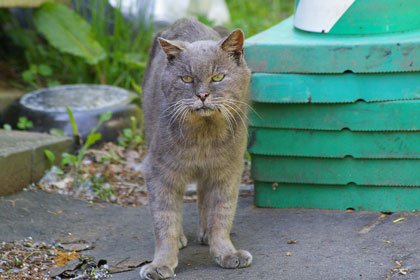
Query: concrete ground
x,y
329,244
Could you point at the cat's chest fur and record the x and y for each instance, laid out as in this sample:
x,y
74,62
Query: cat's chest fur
x,y
202,144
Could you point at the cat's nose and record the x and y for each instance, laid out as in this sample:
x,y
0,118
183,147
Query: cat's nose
x,y
202,95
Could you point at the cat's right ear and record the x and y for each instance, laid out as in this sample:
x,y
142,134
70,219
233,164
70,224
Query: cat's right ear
x,y
171,48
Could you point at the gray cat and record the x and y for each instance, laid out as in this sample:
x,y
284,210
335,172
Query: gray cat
x,y
195,104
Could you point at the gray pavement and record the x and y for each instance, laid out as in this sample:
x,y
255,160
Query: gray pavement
x,y
330,244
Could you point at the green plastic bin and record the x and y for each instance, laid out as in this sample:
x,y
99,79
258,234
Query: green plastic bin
x,y
337,116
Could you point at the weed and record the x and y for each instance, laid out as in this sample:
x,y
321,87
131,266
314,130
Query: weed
x,y
24,123
7,127
131,137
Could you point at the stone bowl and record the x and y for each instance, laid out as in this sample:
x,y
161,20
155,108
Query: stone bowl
x,y
46,108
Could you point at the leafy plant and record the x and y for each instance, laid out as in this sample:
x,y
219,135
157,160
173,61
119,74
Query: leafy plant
x,y
34,74
24,123
91,43
51,158
7,127
102,188
131,136
92,138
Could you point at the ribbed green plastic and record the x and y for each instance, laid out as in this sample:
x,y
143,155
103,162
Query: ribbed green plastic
x,y
377,198
285,49
378,16
359,116
334,88
334,144
337,117
373,172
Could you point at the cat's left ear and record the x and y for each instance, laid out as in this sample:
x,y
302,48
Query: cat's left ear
x,y
234,44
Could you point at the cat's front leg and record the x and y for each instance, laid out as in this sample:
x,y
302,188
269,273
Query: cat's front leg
x,y
220,199
165,202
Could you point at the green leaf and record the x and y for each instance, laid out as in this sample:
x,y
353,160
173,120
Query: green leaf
x,y
92,139
136,87
50,156
67,159
105,117
132,60
24,123
58,171
68,32
127,133
7,126
27,76
57,132
44,70
53,83
72,121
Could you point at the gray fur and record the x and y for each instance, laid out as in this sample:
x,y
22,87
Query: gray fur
x,y
188,144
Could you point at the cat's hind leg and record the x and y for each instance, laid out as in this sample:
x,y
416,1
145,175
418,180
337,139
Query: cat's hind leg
x,y
202,214
182,240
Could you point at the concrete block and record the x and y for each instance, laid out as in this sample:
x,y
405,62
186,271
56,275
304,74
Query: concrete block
x,y
22,159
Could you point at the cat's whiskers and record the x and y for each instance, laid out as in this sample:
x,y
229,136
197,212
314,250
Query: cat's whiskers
x,y
244,103
182,120
176,114
236,111
178,109
223,110
171,108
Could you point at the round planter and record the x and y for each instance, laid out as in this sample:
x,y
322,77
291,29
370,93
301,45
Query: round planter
x,y
46,108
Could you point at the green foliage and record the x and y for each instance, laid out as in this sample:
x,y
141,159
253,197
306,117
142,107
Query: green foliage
x,y
35,73
257,15
68,32
57,132
131,137
7,127
92,138
24,123
50,156
72,121
98,46
101,188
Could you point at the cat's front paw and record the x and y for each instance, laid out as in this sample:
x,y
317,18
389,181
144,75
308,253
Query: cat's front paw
x,y
240,258
154,272
182,241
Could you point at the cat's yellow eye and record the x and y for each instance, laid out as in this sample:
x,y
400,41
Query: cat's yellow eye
x,y
218,78
187,79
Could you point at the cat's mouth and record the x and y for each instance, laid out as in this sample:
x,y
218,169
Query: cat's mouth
x,y
204,110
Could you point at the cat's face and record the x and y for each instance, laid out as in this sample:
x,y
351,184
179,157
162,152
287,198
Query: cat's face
x,y
205,77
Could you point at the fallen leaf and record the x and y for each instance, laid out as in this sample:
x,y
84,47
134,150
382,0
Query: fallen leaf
x,y
398,264
70,266
386,241
77,246
403,271
398,220
288,254
126,265
292,242
64,257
